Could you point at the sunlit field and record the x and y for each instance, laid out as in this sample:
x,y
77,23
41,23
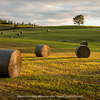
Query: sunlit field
x,y
61,75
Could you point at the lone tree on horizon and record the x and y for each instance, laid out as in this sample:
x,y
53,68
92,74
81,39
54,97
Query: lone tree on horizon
x,y
79,19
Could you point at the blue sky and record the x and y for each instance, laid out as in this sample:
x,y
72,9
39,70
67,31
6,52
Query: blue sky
x,y
50,12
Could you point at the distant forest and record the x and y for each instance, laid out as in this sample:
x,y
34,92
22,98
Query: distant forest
x,y
15,23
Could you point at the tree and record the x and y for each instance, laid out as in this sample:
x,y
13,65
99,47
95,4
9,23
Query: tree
x,y
4,22
14,23
29,23
17,23
22,23
11,22
79,19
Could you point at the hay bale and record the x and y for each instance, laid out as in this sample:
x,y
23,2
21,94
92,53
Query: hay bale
x,y
82,51
77,28
1,32
10,37
42,51
21,32
18,34
63,40
42,29
10,63
48,30
84,43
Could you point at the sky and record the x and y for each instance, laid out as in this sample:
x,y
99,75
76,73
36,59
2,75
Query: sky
x,y
50,12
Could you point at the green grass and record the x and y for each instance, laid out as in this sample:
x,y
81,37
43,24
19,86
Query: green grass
x,y
61,73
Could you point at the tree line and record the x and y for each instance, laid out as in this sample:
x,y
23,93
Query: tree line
x,y
79,19
14,23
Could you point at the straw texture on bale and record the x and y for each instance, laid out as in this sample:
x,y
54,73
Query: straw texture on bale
x,y
82,51
84,43
42,51
10,63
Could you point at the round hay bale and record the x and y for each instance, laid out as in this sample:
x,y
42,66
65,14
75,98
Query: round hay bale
x,y
10,63
48,30
84,43
82,51
21,32
1,32
63,40
42,51
10,37
18,34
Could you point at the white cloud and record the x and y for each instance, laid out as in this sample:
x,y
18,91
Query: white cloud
x,y
50,12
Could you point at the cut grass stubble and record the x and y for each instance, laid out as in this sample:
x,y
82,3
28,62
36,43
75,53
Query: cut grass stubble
x,y
62,73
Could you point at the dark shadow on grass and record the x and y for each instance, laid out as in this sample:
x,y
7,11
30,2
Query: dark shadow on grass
x,y
2,77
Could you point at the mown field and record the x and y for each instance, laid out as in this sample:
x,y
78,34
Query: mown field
x,y
61,73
